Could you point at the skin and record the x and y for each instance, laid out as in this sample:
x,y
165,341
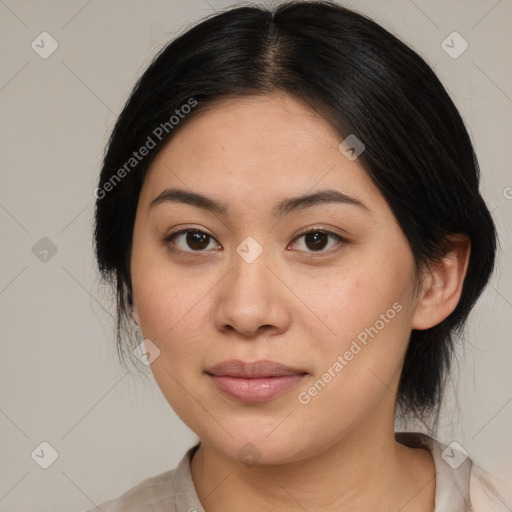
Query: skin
x,y
293,304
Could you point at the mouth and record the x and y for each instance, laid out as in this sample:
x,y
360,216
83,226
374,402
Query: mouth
x,y
256,381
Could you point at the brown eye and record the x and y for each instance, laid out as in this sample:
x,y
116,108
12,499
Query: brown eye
x,y
191,240
317,240
196,240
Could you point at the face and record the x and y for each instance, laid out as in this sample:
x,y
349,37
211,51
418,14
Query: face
x,y
322,286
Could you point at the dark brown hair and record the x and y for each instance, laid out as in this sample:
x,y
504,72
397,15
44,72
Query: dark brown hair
x,y
365,82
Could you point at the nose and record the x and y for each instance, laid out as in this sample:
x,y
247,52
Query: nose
x,y
251,301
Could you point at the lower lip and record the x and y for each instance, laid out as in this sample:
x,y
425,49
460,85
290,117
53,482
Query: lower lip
x,y
258,389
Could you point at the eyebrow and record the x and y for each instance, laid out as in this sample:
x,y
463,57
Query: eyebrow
x,y
177,195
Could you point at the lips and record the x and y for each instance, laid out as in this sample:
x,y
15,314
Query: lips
x,y
261,368
256,381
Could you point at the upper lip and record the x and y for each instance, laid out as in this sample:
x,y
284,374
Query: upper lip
x,y
261,368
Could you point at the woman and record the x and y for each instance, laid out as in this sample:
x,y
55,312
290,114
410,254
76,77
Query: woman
x,y
289,210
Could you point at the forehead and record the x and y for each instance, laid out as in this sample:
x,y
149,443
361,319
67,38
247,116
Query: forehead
x,y
260,146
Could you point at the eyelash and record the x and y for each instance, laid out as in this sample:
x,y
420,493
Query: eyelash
x,y
168,239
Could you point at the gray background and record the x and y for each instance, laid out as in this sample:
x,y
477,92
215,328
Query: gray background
x,y
60,380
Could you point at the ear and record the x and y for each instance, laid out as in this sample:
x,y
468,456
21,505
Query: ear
x,y
442,283
135,312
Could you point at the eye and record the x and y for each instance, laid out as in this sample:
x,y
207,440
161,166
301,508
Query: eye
x,y
316,240
191,240
194,240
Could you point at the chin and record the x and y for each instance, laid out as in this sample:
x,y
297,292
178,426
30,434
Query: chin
x,y
257,447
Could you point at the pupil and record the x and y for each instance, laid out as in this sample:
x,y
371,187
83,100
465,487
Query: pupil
x,y
196,240
319,240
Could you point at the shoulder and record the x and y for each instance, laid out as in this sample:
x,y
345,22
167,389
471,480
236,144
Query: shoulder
x,y
165,492
152,494
485,494
461,484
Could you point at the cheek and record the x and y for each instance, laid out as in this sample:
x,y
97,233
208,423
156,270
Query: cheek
x,y
165,294
175,307
357,365
358,352
172,312
173,315
345,301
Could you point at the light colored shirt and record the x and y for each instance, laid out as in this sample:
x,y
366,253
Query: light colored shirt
x,y
460,485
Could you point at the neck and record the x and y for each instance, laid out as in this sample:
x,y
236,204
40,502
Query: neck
x,y
359,473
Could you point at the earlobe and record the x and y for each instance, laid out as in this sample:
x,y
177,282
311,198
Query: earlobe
x,y
135,313
442,283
